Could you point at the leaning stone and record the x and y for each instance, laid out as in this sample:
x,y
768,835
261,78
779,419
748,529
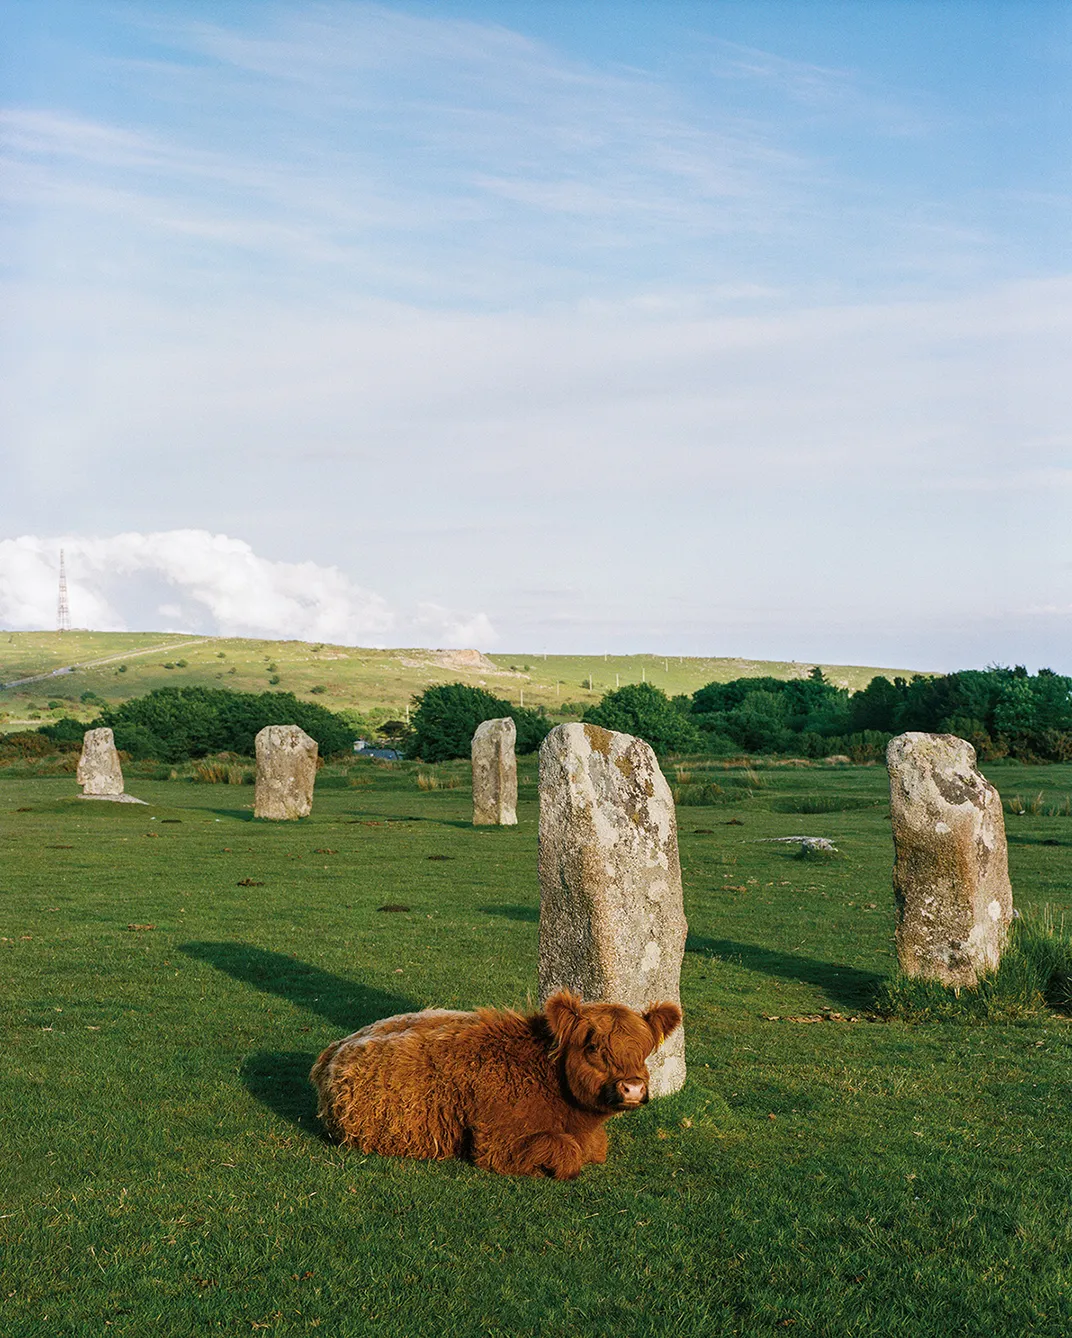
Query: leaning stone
x,y
495,774
99,772
612,923
286,772
951,866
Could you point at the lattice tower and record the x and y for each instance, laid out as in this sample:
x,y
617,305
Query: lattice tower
x,y
63,609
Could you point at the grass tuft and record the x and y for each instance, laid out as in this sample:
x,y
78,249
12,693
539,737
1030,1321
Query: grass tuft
x,y
699,795
1035,806
821,803
1033,979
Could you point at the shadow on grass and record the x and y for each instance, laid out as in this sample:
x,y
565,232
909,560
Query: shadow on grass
x,y
1018,839
530,914
346,1004
280,1081
242,814
844,984
358,817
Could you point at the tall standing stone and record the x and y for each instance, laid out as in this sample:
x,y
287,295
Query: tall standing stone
x,y
612,923
951,865
495,774
286,771
99,772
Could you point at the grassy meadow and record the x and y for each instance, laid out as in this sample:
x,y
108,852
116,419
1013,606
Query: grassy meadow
x,y
168,973
376,684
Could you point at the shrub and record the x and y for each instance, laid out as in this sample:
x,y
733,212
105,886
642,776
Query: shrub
x,y
26,745
172,724
446,716
65,730
646,711
318,688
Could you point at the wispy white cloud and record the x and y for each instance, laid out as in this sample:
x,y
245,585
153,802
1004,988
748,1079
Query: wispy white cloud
x,y
520,303
828,89
191,580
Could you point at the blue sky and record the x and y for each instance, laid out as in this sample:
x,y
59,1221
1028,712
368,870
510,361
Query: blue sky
x,y
697,328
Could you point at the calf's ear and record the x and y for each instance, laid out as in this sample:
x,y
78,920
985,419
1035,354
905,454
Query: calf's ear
x,y
662,1018
563,1012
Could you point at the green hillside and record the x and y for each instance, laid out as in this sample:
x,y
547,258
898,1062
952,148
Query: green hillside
x,y
377,684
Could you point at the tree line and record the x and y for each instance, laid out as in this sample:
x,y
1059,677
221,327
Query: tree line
x,y
1002,712
175,724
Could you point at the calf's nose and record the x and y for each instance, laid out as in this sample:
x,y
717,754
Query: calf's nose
x,y
632,1089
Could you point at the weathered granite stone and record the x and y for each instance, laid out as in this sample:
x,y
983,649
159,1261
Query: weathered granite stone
x,y
99,772
286,771
951,866
114,798
612,924
495,774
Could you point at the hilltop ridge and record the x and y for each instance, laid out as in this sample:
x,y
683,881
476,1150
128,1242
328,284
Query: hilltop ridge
x,y
373,685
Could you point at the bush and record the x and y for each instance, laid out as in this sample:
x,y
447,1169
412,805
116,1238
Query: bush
x,y
23,746
174,724
646,711
446,716
65,730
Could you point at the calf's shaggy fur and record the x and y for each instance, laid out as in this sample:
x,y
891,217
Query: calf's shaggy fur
x,y
519,1095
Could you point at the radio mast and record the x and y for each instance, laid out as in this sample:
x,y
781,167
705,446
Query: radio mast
x,y
63,609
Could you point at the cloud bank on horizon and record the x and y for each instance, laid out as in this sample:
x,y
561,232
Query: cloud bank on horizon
x,y
712,329
193,581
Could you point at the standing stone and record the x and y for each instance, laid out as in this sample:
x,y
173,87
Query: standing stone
x,y
495,774
99,772
286,771
951,865
612,924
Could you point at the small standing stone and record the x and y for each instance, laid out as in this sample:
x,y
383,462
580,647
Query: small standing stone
x,y
286,772
99,772
951,866
495,774
612,923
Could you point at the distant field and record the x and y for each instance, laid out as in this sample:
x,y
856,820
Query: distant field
x,y
375,683
167,975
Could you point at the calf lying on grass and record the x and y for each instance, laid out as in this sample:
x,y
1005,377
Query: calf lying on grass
x,y
520,1095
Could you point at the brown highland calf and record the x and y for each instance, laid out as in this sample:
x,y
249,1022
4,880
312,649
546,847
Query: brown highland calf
x,y
520,1095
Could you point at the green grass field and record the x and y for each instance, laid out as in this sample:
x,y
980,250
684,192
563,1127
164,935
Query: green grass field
x,y
375,683
162,1172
